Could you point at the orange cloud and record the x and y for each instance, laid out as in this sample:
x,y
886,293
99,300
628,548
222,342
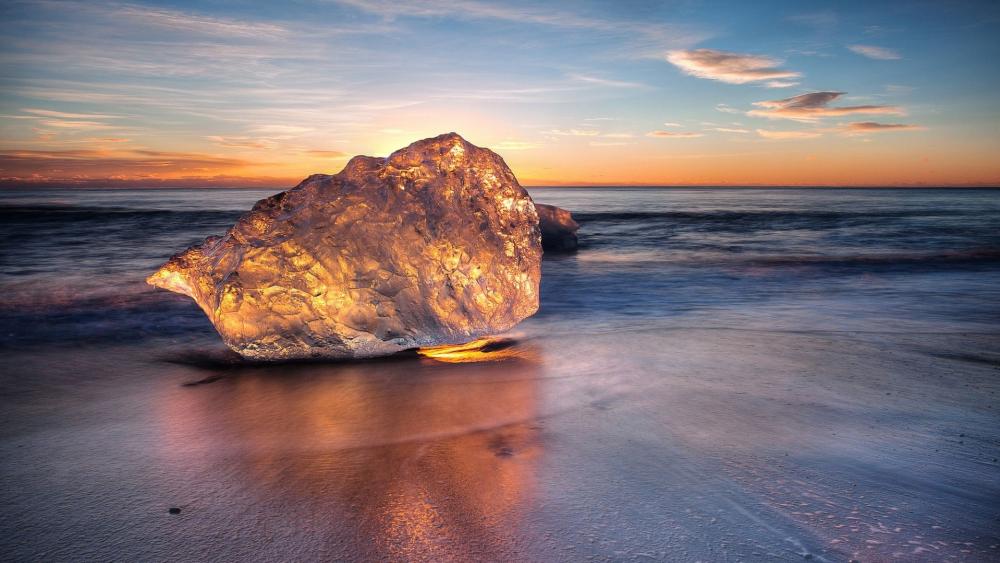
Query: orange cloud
x,y
67,115
782,135
327,154
863,127
242,142
574,132
64,124
514,146
673,134
127,167
815,105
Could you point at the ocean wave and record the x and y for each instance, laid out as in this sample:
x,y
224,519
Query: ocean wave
x,y
991,255
116,311
35,295
32,212
759,215
76,295
645,258
74,272
582,216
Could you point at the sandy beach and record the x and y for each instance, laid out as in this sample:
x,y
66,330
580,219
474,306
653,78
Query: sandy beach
x,y
722,377
687,445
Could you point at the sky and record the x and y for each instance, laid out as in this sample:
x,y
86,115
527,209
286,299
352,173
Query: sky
x,y
227,93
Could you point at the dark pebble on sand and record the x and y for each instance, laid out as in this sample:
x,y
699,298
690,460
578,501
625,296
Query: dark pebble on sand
x,y
174,510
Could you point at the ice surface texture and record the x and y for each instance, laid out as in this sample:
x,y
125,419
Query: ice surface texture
x,y
436,244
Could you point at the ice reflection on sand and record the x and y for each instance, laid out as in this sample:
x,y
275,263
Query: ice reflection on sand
x,y
410,458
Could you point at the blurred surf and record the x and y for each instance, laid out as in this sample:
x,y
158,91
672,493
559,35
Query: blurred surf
x,y
73,262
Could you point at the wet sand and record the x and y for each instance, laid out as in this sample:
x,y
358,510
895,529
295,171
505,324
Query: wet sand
x,y
679,444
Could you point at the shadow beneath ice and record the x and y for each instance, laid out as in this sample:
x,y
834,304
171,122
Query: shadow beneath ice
x,y
221,361
220,358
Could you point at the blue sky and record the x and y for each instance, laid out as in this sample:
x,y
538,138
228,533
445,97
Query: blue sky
x,y
220,93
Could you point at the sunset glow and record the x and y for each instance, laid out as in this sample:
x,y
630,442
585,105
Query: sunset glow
x,y
178,94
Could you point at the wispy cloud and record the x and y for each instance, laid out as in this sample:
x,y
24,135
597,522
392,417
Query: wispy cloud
x,y
635,38
724,108
671,124
782,135
596,80
730,130
470,9
65,124
865,127
819,20
514,146
669,34
873,52
181,21
524,94
815,105
65,121
898,89
242,142
67,115
279,129
573,132
674,134
730,67
327,154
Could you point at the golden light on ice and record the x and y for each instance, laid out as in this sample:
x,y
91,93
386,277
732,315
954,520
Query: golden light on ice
x,y
479,350
349,266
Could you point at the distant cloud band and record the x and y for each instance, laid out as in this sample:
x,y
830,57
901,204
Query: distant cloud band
x,y
861,127
674,134
815,105
783,135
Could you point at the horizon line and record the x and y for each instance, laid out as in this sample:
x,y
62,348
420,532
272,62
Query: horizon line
x,y
111,186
